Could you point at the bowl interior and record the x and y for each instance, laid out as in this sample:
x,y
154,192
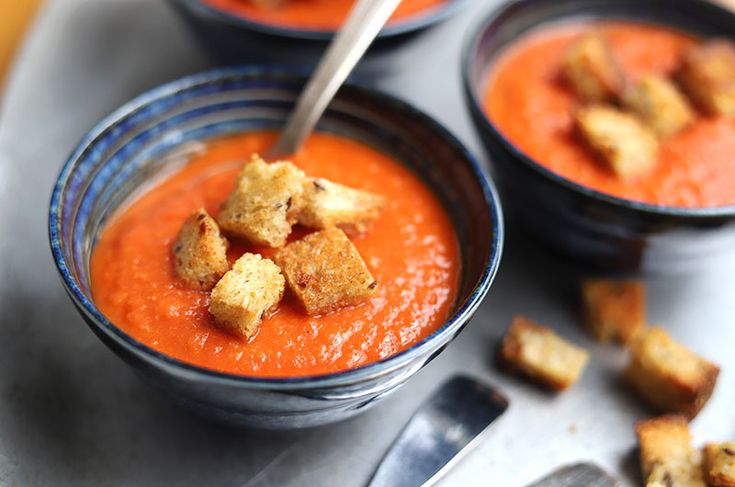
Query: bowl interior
x,y
507,24
403,26
151,136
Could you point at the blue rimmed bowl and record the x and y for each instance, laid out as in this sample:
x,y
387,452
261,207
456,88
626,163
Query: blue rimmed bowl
x,y
224,29
596,231
151,135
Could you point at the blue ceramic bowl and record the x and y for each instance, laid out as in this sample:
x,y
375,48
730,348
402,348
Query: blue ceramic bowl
x,y
213,23
152,134
593,229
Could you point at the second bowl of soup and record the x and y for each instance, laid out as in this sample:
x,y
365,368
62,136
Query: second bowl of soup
x,y
602,146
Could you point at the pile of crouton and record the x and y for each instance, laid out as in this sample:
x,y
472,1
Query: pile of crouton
x,y
667,376
324,271
623,122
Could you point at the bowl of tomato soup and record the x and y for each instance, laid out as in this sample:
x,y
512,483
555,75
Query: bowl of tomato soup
x,y
316,20
677,216
123,194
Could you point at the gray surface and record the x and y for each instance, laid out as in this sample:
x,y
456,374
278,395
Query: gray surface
x,y
72,414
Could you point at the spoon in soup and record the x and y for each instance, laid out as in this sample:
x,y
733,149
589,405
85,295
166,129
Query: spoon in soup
x,y
366,19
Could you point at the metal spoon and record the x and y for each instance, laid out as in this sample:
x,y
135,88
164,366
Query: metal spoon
x,y
363,24
443,429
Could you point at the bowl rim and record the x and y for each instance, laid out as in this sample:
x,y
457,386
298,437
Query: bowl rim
x,y
415,22
468,62
459,317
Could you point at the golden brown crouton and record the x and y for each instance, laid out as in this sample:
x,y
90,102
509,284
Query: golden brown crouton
x,y
719,464
614,310
328,204
667,375
246,294
200,252
263,205
538,353
620,139
325,271
667,457
707,75
590,70
659,104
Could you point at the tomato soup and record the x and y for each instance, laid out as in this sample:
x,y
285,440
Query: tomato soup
x,y
411,250
313,14
533,109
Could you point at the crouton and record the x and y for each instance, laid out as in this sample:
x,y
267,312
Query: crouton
x,y
659,104
538,353
590,70
328,204
619,139
707,75
264,203
200,252
670,378
667,457
719,464
246,295
325,271
614,310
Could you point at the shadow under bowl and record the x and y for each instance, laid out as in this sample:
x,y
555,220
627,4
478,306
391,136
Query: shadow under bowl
x,y
593,230
150,137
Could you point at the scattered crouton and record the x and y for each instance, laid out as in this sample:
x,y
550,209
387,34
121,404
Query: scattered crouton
x,y
620,139
263,205
719,464
246,294
328,204
590,70
614,310
707,75
200,252
669,377
538,353
667,457
659,104
325,271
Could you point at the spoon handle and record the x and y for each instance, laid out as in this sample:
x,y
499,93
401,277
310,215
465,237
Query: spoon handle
x,y
365,21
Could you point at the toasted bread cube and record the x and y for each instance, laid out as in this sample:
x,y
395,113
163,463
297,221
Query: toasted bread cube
x,y
614,310
669,377
618,138
264,203
200,252
719,464
591,71
667,457
660,104
325,271
538,353
707,75
328,204
246,294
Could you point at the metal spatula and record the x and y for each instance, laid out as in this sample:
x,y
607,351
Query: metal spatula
x,y
441,431
577,475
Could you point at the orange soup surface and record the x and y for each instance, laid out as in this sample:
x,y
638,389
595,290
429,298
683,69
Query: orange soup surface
x,y
313,14
411,250
533,109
